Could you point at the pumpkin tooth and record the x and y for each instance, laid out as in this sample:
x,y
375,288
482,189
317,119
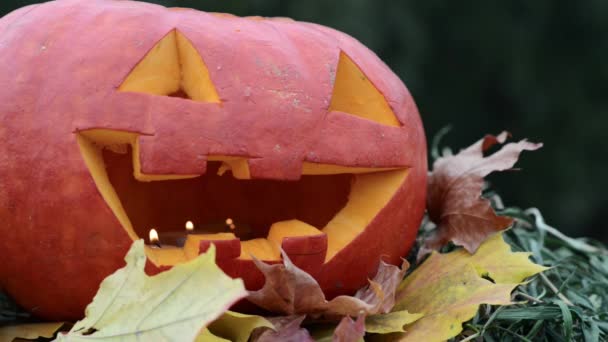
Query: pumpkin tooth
x,y
227,245
307,252
269,248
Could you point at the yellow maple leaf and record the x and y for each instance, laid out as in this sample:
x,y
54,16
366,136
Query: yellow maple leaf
x,y
174,305
390,322
207,336
448,288
237,327
29,331
494,258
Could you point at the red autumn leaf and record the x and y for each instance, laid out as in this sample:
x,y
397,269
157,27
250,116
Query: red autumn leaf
x,y
286,329
454,199
289,290
349,330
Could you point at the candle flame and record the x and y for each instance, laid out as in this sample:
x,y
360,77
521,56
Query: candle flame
x,y
153,236
189,226
229,221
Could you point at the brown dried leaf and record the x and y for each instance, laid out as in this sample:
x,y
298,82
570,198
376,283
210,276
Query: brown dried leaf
x,y
381,290
288,290
286,329
349,330
454,199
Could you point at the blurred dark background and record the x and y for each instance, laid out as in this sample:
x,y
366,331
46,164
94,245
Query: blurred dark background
x,y
536,68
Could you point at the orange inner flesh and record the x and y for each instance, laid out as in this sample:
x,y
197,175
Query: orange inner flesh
x,y
174,66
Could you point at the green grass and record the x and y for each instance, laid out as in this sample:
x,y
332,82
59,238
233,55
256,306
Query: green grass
x,y
568,302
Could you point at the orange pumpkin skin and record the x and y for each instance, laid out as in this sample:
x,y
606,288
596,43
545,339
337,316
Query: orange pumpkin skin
x,y
61,64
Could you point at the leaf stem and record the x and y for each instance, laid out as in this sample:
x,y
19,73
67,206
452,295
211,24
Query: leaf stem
x,y
528,297
555,289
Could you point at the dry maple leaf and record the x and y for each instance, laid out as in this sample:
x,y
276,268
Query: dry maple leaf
x,y
381,290
286,329
392,322
289,290
349,330
449,288
454,199
235,327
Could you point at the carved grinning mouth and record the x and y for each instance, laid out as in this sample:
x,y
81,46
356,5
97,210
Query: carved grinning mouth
x,y
337,201
207,201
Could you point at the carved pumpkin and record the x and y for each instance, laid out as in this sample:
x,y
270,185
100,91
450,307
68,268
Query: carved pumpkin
x,y
118,117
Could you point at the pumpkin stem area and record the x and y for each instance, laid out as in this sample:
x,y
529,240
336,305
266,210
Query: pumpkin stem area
x,y
330,201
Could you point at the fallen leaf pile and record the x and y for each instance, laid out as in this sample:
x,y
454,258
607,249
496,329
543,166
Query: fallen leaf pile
x,y
430,304
190,302
454,201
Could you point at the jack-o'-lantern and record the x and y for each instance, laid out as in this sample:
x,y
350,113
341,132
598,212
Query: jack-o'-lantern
x,y
118,117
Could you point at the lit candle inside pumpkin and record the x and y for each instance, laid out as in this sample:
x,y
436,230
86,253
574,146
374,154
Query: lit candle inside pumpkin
x,y
154,239
189,226
178,238
230,224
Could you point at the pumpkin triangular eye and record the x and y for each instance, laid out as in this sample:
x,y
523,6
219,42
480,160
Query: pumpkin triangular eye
x,y
172,67
355,94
